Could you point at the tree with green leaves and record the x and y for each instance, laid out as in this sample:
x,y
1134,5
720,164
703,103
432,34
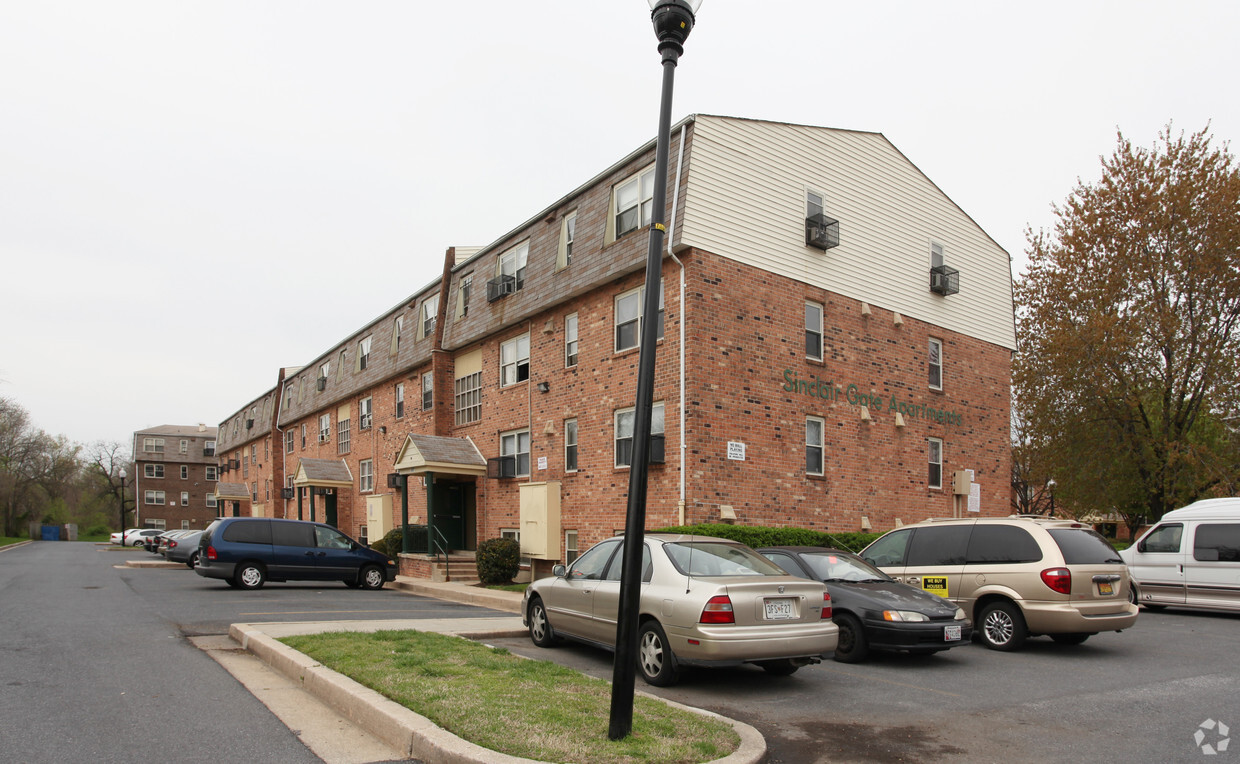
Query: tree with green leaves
x,y
1129,326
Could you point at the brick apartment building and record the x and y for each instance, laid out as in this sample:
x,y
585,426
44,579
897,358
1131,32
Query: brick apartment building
x,y
834,353
175,476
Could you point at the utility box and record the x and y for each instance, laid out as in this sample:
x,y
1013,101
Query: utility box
x,y
961,480
540,520
378,516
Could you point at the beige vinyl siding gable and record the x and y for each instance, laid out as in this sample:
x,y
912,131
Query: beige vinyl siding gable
x,y
746,200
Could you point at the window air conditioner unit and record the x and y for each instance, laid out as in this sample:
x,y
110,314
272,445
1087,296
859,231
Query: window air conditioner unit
x,y
249,424
656,449
501,286
944,280
321,383
502,467
393,480
822,232
287,493
366,421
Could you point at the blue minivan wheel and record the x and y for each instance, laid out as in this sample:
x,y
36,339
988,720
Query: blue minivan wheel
x,y
371,577
250,575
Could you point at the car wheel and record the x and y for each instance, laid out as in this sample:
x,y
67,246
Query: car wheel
x,y
541,632
1002,626
780,668
852,646
193,561
250,575
654,656
1074,638
371,577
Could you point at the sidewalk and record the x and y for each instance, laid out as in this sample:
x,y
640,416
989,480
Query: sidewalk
x,y
408,733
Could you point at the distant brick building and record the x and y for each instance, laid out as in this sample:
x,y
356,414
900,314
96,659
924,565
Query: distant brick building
x,y
834,353
176,473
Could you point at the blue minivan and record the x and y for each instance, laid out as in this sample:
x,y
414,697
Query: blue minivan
x,y
249,551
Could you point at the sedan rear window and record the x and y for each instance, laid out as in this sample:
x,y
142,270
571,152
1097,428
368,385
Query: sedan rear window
x,y
1082,546
698,558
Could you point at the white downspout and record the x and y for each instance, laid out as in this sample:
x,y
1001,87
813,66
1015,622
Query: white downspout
x,y
680,157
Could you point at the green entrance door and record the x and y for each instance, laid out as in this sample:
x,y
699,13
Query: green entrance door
x,y
448,500
329,509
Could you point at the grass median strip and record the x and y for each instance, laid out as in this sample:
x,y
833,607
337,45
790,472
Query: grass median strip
x,y
534,709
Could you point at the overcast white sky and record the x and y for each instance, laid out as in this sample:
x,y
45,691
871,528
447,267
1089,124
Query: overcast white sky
x,y
193,194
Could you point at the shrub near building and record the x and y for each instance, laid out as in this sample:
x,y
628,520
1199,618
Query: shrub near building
x,y
498,560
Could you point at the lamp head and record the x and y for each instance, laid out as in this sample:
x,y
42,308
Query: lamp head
x,y
673,20
122,474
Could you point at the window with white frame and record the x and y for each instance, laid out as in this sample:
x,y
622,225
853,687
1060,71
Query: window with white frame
x,y
366,469
325,370
570,445
288,394
568,232
212,473
185,472
936,254
208,448
325,427
253,453
624,428
211,502
570,340
184,498
469,398
303,436
363,353
514,361
462,295
428,390
398,325
289,436
815,448
157,524
516,445
154,497
934,364
153,470
570,547
185,446
634,202
430,309
153,445
400,400
365,412
814,203
813,331
629,318
185,525
342,436
512,264
934,455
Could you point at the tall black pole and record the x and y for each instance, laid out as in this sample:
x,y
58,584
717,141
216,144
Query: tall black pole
x,y
122,508
672,21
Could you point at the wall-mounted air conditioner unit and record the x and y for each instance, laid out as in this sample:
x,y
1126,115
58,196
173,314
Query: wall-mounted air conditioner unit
x,y
321,383
501,286
502,467
944,280
822,232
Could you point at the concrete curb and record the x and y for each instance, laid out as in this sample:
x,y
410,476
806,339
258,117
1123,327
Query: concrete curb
x,y
7,547
469,595
156,564
413,734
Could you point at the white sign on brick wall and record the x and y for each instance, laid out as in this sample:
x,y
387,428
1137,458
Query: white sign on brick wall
x,y
736,451
542,462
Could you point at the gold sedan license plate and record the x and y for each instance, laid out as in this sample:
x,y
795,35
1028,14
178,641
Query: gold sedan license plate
x,y
779,609
1106,588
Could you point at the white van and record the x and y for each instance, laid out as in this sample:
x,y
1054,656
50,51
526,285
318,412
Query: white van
x,y
1191,558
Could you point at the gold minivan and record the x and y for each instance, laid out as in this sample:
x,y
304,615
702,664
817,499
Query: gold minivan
x,y
1015,576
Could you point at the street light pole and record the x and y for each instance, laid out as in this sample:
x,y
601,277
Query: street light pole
x,y
122,477
1050,486
673,20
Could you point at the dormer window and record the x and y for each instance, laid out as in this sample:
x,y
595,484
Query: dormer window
x,y
511,276
634,202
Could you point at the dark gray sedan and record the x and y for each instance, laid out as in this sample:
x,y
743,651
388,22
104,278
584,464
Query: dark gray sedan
x,y
873,610
183,548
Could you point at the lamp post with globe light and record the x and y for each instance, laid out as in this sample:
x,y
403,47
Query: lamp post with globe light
x,y
673,20
122,477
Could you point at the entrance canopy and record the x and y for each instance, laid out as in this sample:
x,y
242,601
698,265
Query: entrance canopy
x,y
333,473
232,492
440,455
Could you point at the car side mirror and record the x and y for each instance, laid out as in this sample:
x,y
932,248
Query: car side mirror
x,y
559,571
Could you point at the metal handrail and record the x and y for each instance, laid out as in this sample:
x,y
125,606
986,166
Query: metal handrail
x,y
432,532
